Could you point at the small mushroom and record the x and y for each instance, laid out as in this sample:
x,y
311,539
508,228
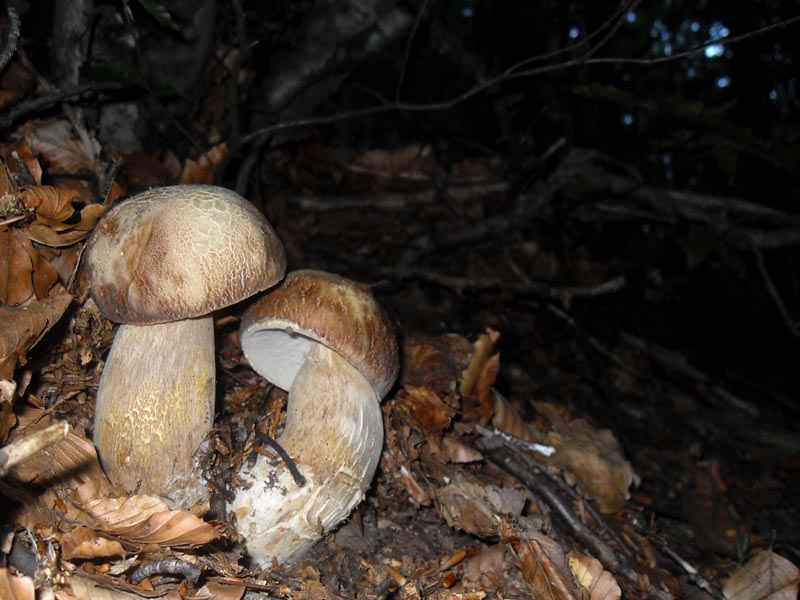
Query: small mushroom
x,y
327,342
160,263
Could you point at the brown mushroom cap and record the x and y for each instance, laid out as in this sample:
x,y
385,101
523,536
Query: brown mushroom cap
x,y
180,252
312,306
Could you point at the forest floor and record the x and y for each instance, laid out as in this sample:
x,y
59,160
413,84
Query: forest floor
x,y
675,467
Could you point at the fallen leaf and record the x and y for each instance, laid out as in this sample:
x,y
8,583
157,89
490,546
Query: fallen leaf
x,y
15,587
422,408
65,151
203,169
508,420
20,151
220,591
544,567
593,456
487,567
476,506
437,362
146,520
481,353
87,543
592,577
766,576
22,326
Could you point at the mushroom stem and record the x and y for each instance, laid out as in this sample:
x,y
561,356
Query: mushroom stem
x,y
334,430
154,402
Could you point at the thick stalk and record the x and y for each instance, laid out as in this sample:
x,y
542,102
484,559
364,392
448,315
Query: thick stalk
x,y
155,405
334,431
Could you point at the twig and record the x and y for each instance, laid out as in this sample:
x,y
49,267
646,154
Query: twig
x,y
172,566
507,459
460,284
791,324
24,108
290,464
401,77
25,448
11,37
694,576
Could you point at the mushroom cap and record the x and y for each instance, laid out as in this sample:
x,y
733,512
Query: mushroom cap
x,y
180,252
279,329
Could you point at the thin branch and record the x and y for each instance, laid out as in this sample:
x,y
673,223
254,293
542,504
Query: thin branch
x,y
790,322
11,38
698,49
409,43
509,74
29,106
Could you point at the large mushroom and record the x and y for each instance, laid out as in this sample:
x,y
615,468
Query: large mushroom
x,y
160,263
327,342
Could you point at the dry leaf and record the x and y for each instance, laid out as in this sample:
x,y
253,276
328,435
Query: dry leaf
x,y
24,271
53,208
437,363
487,567
147,520
767,576
593,456
475,506
508,420
86,543
202,170
99,587
64,150
421,408
22,326
21,150
220,591
15,587
592,577
458,452
544,567
482,349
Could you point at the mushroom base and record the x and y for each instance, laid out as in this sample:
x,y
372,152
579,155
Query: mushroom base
x,y
155,406
334,431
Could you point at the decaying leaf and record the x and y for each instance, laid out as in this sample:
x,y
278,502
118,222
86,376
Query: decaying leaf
x,y
592,577
65,151
487,567
41,484
508,420
544,567
15,587
24,272
476,506
87,543
22,326
221,591
481,354
436,362
54,209
20,151
98,587
423,409
147,520
593,456
766,576
202,169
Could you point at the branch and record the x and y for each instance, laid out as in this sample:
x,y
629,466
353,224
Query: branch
x,y
11,38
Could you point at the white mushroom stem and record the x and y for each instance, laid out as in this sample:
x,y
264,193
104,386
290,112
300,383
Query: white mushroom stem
x,y
334,432
155,405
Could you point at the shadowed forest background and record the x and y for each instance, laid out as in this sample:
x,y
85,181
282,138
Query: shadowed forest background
x,y
581,217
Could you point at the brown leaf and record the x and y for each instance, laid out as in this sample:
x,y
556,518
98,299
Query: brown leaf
x,y
21,151
15,587
220,591
148,520
544,567
16,268
766,576
487,567
202,170
64,150
437,362
593,456
87,543
592,577
474,506
52,205
508,420
482,349
22,326
424,410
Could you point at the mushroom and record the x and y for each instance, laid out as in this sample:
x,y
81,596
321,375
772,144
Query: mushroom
x,y
160,263
327,342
